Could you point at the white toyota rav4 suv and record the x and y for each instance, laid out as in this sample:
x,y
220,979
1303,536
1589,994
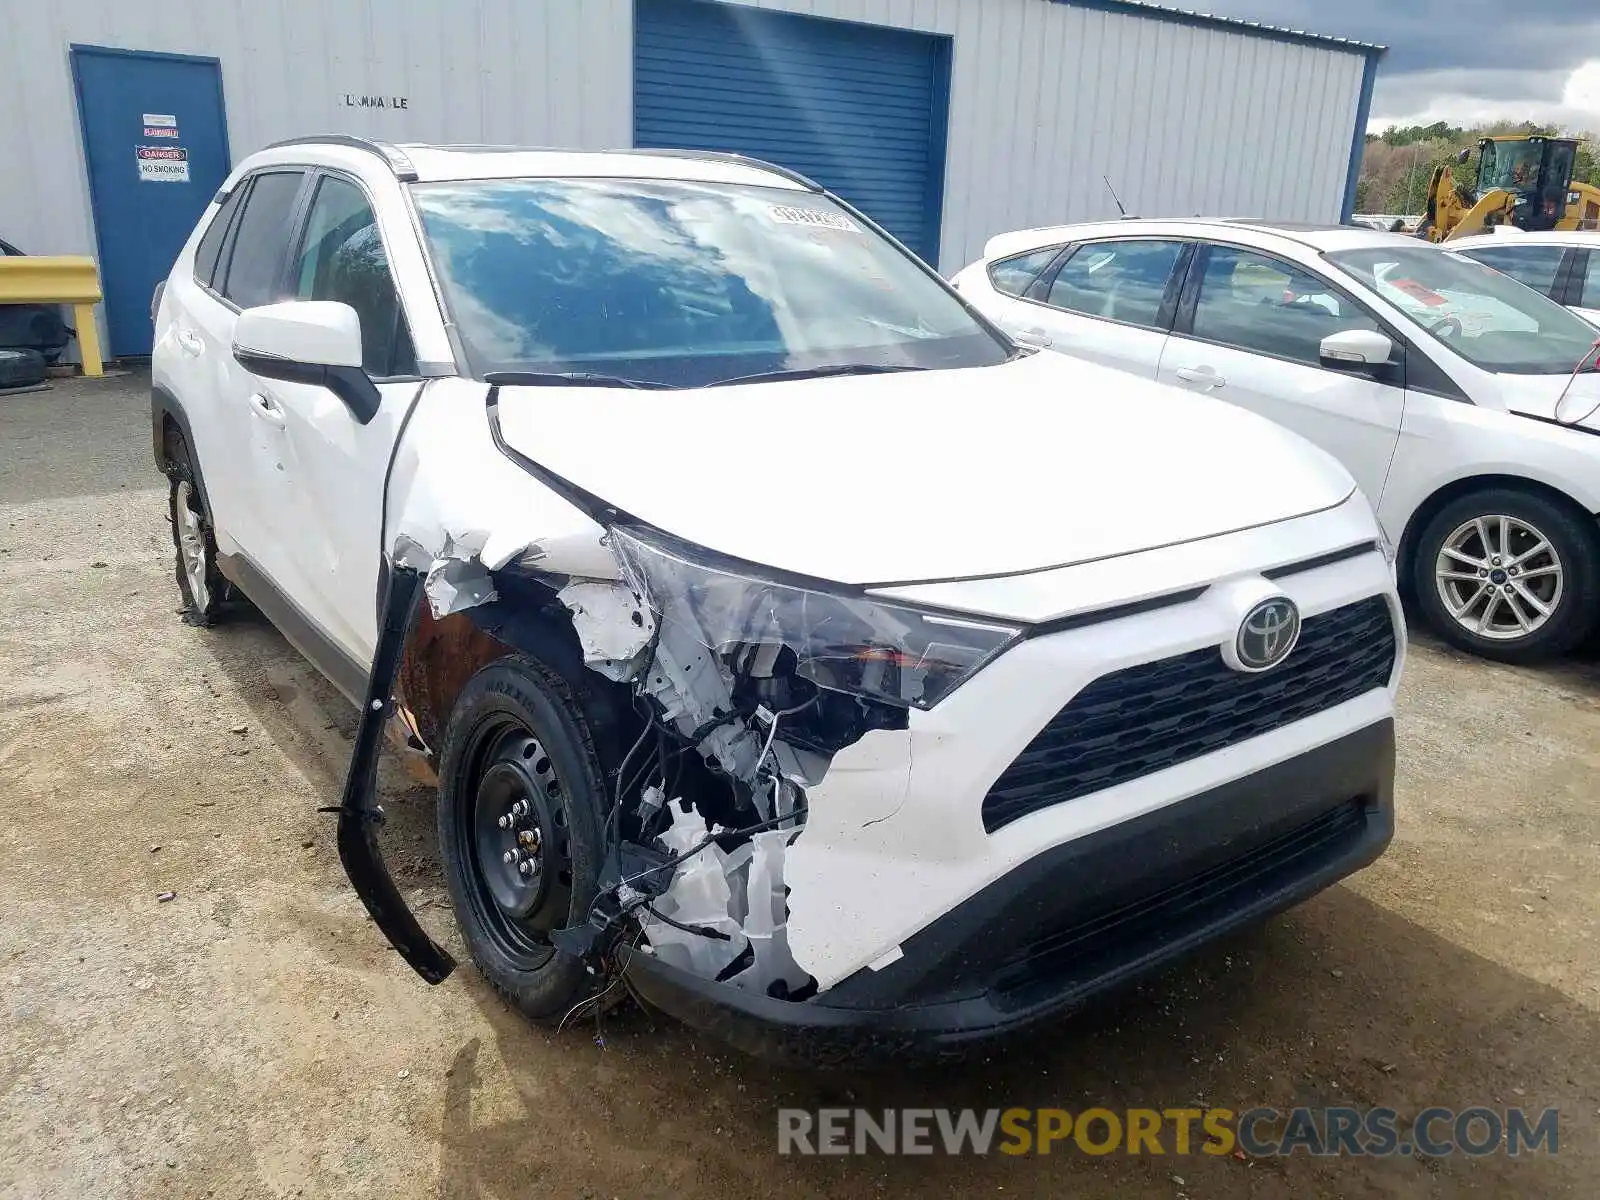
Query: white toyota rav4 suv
x,y
792,648
1452,393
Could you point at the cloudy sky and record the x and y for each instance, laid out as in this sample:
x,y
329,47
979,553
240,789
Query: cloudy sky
x,y
1460,60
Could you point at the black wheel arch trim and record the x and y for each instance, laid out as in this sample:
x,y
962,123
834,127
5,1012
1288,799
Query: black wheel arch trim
x,y
359,812
164,406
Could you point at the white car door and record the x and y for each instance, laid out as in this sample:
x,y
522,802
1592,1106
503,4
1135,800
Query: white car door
x,y
235,267
1248,331
323,476
1110,302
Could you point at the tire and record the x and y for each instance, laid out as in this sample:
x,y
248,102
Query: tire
x,y
21,368
1563,578
518,732
194,542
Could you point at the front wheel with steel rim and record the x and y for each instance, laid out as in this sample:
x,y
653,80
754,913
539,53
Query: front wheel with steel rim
x,y
199,581
1510,575
520,797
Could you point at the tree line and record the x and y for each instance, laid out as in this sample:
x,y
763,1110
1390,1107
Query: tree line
x,y
1398,163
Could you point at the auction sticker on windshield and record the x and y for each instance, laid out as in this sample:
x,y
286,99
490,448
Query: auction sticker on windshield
x,y
814,218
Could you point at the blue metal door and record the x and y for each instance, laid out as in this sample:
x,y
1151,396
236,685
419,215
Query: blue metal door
x,y
155,139
861,109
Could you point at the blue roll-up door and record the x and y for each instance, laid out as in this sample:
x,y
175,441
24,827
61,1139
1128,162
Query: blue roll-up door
x,y
858,108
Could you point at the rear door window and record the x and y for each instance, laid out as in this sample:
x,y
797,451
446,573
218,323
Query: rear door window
x,y
209,250
1120,281
1255,302
1016,274
255,260
1536,266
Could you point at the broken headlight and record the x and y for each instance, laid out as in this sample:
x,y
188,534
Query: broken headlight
x,y
845,643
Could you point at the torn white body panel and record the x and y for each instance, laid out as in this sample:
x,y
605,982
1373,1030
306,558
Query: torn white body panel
x,y
614,626
456,499
739,894
766,919
705,889
454,577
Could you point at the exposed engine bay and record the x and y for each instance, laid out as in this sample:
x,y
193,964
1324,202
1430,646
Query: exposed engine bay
x,y
736,705
713,790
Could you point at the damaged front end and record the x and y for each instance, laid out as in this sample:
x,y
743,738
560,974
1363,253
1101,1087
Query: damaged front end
x,y
732,690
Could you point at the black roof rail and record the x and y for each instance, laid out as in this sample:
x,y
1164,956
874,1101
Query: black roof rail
x,y
738,160
402,166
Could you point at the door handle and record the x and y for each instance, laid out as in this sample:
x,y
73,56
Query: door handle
x,y
190,343
265,408
1204,375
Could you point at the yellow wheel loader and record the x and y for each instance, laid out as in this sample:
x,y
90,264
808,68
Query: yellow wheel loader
x,y
1522,181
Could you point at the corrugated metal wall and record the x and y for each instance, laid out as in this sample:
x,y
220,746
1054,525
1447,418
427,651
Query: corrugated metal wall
x,y
1045,98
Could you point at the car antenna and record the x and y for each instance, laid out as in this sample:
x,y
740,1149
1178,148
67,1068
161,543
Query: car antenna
x,y
1117,199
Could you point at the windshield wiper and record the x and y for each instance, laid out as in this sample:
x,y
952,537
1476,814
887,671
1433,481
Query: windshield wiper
x,y
569,379
817,373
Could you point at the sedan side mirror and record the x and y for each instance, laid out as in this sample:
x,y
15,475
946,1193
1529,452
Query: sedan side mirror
x,y
308,341
1356,350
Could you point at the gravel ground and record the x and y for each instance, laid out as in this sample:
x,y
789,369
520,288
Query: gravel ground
x,y
255,1036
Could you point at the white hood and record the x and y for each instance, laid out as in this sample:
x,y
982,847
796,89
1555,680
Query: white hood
x,y
1538,395
1045,461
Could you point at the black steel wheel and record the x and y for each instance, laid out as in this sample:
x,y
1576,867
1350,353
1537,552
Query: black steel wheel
x,y
520,800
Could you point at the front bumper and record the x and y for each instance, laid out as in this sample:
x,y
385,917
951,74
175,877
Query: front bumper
x,y
1080,918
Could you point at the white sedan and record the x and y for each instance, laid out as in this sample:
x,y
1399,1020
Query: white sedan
x,y
1464,403
1564,265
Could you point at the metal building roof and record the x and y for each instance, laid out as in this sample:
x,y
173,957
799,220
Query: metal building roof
x,y
1185,16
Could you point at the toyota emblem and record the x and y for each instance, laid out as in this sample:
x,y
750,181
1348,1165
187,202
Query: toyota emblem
x,y
1267,634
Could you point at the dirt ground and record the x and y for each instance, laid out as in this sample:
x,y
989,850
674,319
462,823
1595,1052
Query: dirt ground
x,y
255,1036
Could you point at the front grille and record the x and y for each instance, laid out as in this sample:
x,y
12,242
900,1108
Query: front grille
x,y
1170,913
1146,718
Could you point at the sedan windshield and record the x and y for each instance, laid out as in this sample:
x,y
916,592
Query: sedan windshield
x,y
679,284
1488,318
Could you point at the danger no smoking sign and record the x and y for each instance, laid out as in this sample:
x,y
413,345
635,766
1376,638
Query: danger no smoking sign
x,y
163,164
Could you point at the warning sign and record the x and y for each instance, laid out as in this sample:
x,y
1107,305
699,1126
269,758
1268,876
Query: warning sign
x,y
158,131
163,164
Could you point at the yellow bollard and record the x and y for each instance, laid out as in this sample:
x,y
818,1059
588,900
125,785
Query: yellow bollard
x,y
58,279
88,339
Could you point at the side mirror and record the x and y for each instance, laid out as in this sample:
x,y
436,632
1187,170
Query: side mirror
x,y
308,341
1356,350
1462,157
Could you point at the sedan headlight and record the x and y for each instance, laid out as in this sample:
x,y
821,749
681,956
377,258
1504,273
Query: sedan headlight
x,y
846,643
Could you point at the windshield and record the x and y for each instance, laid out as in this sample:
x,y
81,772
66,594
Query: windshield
x,y
682,284
1488,318
1513,166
